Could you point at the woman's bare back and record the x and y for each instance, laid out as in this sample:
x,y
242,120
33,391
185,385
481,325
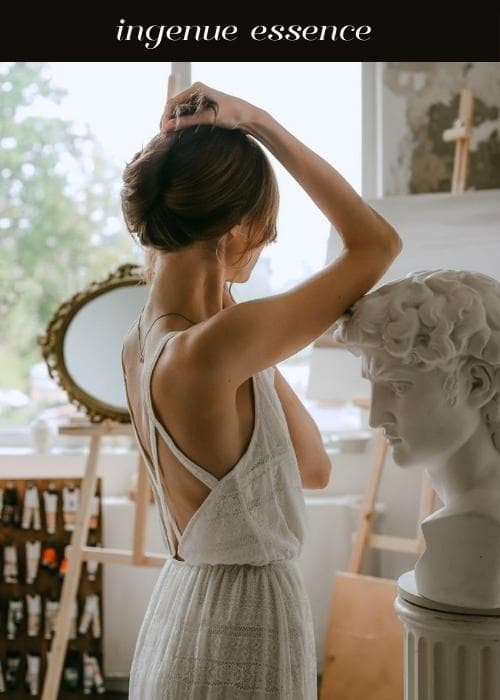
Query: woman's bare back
x,y
214,437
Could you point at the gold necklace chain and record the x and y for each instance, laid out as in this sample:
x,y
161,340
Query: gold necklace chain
x,y
169,313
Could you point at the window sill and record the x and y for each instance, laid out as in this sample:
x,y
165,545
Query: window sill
x,y
11,450
20,441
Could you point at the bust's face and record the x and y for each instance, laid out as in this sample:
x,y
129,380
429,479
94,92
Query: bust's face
x,y
413,409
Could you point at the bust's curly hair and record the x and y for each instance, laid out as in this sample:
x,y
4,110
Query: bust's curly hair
x,y
432,319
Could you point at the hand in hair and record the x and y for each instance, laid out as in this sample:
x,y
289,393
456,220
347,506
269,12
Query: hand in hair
x,y
200,104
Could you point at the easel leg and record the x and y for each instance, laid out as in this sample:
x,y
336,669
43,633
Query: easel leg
x,y
141,505
427,506
368,508
72,577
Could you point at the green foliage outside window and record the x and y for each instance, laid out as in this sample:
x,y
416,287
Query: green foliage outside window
x,y
60,221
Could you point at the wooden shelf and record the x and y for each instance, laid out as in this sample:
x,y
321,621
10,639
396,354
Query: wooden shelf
x,y
47,583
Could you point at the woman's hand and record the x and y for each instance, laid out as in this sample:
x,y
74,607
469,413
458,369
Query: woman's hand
x,y
200,104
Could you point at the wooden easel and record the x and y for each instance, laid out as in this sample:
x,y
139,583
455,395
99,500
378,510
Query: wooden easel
x,y
461,134
78,551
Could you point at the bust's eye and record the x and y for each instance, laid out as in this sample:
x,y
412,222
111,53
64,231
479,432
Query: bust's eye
x,y
400,388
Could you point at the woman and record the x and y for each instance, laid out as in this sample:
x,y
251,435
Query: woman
x,y
228,444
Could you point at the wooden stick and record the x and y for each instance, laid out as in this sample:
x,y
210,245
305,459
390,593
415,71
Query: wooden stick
x,y
110,555
72,577
465,115
427,505
368,508
461,134
457,132
141,513
173,85
392,543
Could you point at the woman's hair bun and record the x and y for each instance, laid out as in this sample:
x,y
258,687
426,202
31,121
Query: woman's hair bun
x,y
195,184
143,187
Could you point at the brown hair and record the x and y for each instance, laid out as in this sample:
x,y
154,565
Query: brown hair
x,y
197,183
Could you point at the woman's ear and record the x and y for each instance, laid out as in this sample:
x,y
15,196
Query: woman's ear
x,y
233,234
480,382
240,231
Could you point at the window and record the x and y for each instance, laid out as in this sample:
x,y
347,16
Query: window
x,y
320,103
66,130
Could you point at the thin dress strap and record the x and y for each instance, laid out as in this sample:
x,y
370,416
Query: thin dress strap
x,y
156,485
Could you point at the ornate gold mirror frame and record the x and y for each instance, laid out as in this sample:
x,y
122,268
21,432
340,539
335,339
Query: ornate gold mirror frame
x,y
83,340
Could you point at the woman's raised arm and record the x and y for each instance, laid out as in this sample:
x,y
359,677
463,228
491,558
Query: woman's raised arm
x,y
248,337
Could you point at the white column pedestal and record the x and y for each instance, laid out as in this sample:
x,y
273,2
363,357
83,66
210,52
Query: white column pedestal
x,y
450,653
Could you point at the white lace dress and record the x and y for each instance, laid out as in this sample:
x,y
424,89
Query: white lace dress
x,y
233,620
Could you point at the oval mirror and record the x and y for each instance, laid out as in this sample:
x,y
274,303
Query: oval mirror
x,y
83,342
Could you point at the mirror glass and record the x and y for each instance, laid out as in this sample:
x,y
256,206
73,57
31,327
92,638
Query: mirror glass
x,y
93,342
83,342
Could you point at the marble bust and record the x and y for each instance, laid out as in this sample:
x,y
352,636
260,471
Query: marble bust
x,y
430,346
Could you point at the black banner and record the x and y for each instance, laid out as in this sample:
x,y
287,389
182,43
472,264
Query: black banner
x,y
168,32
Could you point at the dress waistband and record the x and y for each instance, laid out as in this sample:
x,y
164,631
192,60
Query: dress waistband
x,y
276,562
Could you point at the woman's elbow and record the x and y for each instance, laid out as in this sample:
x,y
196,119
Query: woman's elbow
x,y
319,476
324,476
384,252
396,243
388,236
378,253
390,243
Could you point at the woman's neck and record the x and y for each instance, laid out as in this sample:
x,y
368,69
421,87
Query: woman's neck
x,y
184,283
